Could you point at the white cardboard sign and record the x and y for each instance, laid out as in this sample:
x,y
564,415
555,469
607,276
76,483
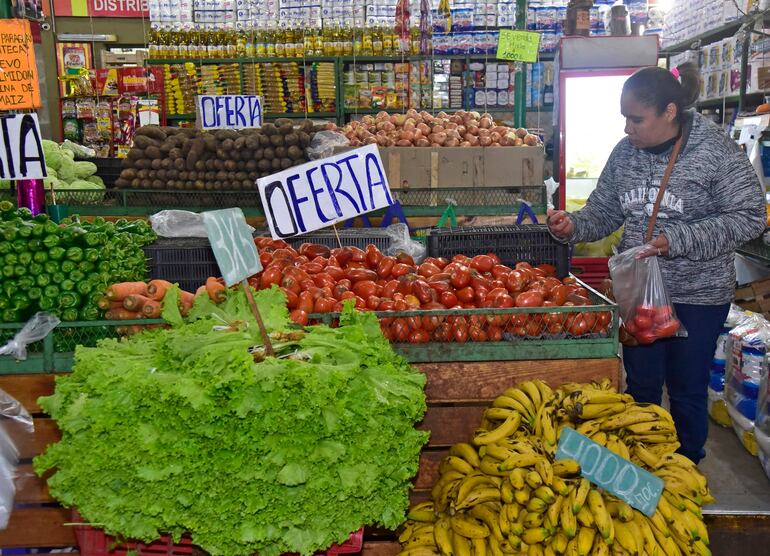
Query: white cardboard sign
x,y
323,192
21,148
229,111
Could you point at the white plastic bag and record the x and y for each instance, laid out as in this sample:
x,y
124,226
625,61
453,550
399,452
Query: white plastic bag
x,y
402,242
645,306
35,330
12,415
324,143
178,223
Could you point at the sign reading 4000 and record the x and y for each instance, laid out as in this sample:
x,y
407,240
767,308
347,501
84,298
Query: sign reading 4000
x,y
323,192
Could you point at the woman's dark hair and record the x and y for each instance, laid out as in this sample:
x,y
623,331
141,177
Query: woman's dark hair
x,y
657,87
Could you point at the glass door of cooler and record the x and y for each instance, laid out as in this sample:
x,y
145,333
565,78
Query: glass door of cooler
x,y
591,126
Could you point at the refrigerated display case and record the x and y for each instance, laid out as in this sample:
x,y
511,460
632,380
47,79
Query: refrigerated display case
x,y
591,76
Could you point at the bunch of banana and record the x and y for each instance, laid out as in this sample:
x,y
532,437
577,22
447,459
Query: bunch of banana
x,y
504,494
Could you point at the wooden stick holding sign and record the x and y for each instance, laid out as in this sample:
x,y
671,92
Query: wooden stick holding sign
x,y
237,256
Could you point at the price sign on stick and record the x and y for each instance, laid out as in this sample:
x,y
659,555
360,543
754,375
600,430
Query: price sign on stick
x,y
323,192
236,255
21,148
519,46
609,471
19,86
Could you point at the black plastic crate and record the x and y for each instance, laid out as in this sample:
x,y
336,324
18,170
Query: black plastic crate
x,y
513,244
358,237
187,261
108,169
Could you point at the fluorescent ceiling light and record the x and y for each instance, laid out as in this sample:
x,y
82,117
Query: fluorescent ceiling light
x,y
86,37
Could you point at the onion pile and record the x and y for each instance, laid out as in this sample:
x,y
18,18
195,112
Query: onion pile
x,y
422,129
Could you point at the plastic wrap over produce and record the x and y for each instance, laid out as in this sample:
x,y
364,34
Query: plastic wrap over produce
x,y
324,143
747,346
14,416
401,242
36,328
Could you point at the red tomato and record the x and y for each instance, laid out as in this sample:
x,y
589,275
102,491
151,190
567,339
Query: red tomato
x,y
496,292
428,269
477,334
523,265
494,334
493,284
335,272
405,258
460,277
495,258
534,328
299,316
515,281
479,281
466,294
324,305
270,276
631,327
313,250
386,305
419,336
400,269
441,334
357,255
554,327
291,284
548,269
389,289
312,268
662,314
342,254
578,326
339,290
441,277
642,322
529,299
500,271
645,311
667,329
503,301
265,259
558,294
646,336
569,281
448,299
604,319
373,256
385,266
406,284
459,332
323,280
480,294
482,263
361,274
462,259
400,330
365,288
578,299
291,298
423,291
347,295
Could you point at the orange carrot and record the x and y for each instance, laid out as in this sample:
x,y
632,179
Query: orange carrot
x,y
152,309
201,291
135,302
186,298
118,292
186,309
215,290
103,303
122,314
156,289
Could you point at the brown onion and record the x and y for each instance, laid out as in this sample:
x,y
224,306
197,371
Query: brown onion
x,y
450,125
485,141
495,137
501,129
370,140
438,128
355,142
473,129
461,129
494,144
424,128
474,140
465,144
407,136
422,143
438,138
531,140
486,123
403,143
518,142
451,142
521,132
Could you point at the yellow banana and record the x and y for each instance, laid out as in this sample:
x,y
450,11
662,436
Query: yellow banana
x,y
651,427
695,526
411,528
498,451
565,468
506,492
629,536
659,523
559,542
590,427
600,547
470,483
519,396
646,457
629,417
512,402
461,545
559,486
517,527
478,496
514,541
659,411
532,391
522,495
655,438
537,505
548,550
533,519
553,511
591,396
617,446
444,489
533,479
469,527
516,477
675,500
601,515
585,517
442,532
478,547
572,548
595,410
498,413
544,468
600,438
692,507
579,495
419,551
423,538
458,464
494,546
546,392
490,466
503,523
508,427
424,511
544,425
489,516
467,452
585,540
621,510
700,548
535,550
535,535
567,520
520,460
651,546
544,493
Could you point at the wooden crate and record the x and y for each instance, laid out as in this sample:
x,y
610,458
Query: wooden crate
x,y
457,394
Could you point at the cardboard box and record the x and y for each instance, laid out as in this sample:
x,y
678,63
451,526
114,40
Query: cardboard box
x,y
463,166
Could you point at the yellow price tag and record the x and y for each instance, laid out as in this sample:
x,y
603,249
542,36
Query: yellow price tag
x,y
519,46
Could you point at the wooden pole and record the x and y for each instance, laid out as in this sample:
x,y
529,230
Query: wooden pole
x,y
255,311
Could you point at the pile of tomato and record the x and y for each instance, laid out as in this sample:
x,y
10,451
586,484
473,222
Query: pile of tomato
x,y
317,279
650,323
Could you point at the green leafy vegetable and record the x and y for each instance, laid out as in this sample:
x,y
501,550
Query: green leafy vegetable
x,y
192,429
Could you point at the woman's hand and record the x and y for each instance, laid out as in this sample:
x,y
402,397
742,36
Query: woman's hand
x,y
657,247
560,223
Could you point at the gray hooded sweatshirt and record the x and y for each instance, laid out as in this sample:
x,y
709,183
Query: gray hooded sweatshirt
x,y
713,204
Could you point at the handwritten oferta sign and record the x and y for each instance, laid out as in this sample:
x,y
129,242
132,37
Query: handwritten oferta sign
x,y
232,243
21,148
323,192
229,111
609,471
519,46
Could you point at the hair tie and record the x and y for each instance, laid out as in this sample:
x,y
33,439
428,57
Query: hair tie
x,y
675,73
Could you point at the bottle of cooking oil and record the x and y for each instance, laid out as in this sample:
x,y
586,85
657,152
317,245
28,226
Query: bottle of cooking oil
x,y
347,38
260,45
279,38
291,42
366,41
152,43
387,41
269,36
249,46
377,41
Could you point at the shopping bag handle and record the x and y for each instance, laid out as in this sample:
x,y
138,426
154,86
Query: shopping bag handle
x,y
662,190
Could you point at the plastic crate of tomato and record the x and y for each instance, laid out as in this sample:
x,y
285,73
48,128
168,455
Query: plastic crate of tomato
x,y
94,542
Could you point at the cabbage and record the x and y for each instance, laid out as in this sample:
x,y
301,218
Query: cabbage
x,y
96,179
67,170
84,169
53,159
51,172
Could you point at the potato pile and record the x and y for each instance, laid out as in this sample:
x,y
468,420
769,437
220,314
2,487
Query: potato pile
x,y
422,129
191,159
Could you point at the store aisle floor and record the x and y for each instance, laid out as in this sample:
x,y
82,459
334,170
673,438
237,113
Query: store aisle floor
x,y
735,477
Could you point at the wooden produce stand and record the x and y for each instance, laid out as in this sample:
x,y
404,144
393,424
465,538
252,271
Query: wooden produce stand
x,y
457,394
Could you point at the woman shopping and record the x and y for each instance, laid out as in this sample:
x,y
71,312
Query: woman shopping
x,y
712,203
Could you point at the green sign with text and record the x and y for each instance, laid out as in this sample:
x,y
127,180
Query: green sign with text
x,y
232,243
609,471
519,46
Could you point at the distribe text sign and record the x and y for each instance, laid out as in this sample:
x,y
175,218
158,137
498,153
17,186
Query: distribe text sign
x,y
323,192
